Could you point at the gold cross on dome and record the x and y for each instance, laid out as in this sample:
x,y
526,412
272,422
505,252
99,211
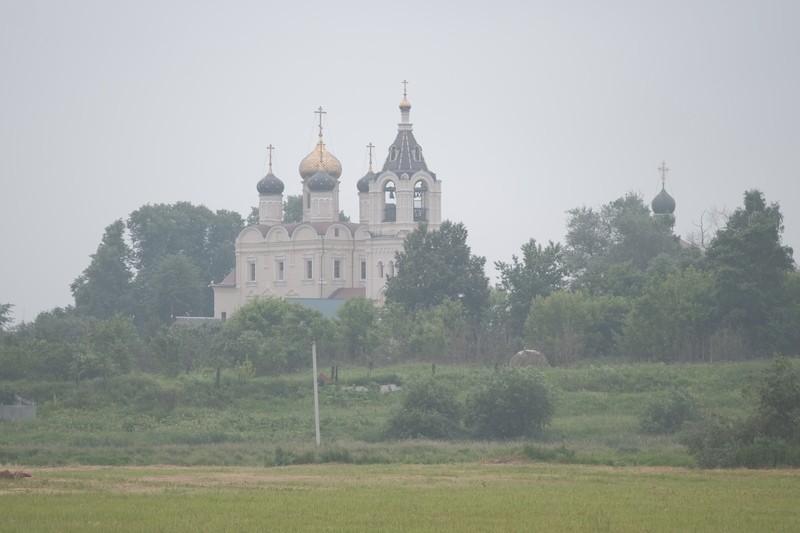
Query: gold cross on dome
x,y
270,148
320,112
405,86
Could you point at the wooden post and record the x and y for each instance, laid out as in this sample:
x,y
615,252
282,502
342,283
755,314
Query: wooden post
x,y
316,386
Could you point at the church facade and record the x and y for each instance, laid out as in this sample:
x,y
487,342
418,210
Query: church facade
x,y
321,258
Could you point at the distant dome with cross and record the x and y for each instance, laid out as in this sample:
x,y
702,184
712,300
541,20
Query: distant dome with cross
x,y
663,203
270,184
363,183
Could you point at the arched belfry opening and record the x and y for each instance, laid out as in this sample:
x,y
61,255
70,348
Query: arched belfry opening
x,y
389,202
420,201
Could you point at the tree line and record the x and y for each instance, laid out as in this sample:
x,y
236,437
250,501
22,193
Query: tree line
x,y
621,284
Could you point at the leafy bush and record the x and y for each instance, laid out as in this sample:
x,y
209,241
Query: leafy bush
x,y
512,403
667,412
765,453
714,441
779,401
430,410
768,438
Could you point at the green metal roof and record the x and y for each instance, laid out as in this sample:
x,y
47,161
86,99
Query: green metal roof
x,y
326,306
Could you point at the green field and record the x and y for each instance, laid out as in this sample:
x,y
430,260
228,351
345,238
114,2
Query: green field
x,y
242,457
268,421
446,497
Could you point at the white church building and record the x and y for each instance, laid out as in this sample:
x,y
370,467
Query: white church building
x,y
321,258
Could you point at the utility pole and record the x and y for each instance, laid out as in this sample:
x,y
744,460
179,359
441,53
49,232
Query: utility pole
x,y
316,385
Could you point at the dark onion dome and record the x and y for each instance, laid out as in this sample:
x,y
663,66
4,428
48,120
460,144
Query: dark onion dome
x,y
663,203
321,182
363,183
270,184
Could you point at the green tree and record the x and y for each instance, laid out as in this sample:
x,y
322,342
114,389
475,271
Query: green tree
x,y
60,340
671,320
614,279
666,412
104,288
5,315
557,326
635,234
293,208
567,326
435,265
252,218
275,335
621,232
117,343
430,410
751,266
588,237
171,287
779,401
495,341
436,334
768,438
513,403
785,320
206,238
540,272
604,332
62,324
219,259
359,327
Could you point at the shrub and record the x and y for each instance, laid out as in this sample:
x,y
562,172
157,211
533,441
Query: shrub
x,y
768,438
513,403
714,441
430,409
667,412
779,401
764,453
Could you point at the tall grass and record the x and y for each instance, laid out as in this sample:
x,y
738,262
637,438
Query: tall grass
x,y
142,419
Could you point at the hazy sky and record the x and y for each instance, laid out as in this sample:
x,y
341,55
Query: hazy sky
x,y
525,109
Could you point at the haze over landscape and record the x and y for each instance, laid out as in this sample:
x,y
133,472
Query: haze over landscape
x,y
524,111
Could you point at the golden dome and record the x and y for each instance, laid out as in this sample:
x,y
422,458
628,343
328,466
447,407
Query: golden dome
x,y
405,105
320,159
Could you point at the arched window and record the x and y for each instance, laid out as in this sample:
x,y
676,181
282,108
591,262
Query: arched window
x,y
380,269
389,202
417,153
391,269
420,201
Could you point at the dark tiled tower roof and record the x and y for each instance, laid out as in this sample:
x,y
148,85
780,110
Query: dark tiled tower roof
x,y
405,153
